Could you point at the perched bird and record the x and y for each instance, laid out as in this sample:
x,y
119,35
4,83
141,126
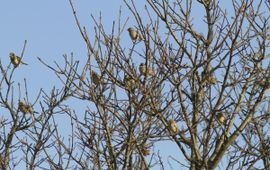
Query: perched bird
x,y
145,151
173,126
95,78
129,82
134,34
22,107
209,77
107,41
221,118
25,108
15,60
81,80
142,69
212,80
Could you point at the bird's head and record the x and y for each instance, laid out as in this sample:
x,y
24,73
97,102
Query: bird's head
x,y
21,104
130,29
12,55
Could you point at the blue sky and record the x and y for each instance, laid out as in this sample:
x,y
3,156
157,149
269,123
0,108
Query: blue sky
x,y
50,30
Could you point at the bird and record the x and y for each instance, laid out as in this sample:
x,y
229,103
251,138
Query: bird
x,y
95,78
221,118
25,108
142,69
81,80
173,126
129,82
15,60
134,34
145,151
212,80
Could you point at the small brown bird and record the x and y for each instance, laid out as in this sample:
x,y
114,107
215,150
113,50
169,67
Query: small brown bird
x,y
15,60
81,80
25,108
212,80
142,69
145,151
134,34
129,82
221,118
173,126
95,78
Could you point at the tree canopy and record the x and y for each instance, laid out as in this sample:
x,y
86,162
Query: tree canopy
x,y
198,82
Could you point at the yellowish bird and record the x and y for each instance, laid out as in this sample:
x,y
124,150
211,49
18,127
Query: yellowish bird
x,y
221,118
212,80
129,82
134,34
173,126
95,78
145,151
15,60
25,108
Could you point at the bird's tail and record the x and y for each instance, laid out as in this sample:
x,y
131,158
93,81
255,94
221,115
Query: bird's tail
x,y
23,63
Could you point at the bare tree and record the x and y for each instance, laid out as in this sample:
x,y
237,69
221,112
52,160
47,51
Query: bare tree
x,y
206,90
